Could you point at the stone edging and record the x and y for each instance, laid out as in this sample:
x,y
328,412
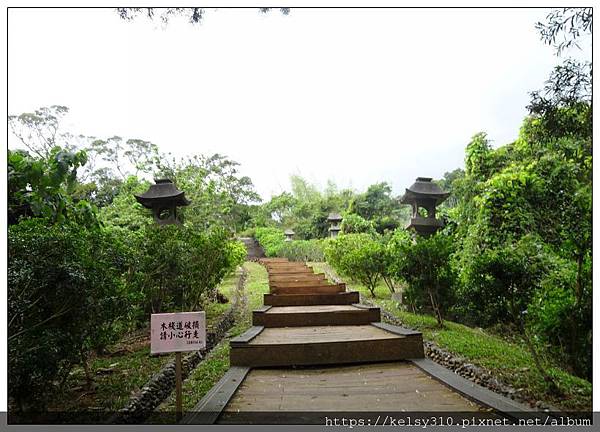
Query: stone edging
x,y
162,383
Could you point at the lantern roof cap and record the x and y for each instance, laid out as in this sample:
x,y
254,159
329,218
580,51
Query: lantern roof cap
x,y
334,217
164,192
423,187
289,232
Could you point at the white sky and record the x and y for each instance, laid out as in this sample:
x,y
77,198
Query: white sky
x,y
353,95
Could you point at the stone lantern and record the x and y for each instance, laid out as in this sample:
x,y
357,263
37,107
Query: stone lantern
x,y
424,195
289,235
334,220
163,198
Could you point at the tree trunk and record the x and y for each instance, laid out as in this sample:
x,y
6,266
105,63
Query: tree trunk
x,y
436,308
389,283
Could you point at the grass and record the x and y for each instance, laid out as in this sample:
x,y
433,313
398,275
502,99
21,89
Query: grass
x,y
120,375
506,359
210,371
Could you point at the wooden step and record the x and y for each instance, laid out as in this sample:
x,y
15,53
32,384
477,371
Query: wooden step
x,y
298,283
286,269
297,277
300,316
291,273
273,260
319,345
312,289
343,298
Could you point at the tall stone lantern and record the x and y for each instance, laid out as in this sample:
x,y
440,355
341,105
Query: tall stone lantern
x,y
424,195
163,198
289,235
335,227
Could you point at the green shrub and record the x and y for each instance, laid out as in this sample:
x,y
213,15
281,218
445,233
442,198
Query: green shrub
x,y
425,266
356,224
65,294
303,250
361,257
181,267
561,323
271,240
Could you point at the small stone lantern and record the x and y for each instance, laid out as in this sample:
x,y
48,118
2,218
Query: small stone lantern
x,y
289,235
163,198
425,195
334,220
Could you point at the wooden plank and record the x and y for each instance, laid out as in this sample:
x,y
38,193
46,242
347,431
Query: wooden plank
x,y
403,331
291,346
299,276
324,353
392,387
284,272
247,336
320,334
348,297
212,404
471,390
295,316
314,289
311,309
298,281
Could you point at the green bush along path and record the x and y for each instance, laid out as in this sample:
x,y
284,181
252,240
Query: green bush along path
x,y
128,365
505,358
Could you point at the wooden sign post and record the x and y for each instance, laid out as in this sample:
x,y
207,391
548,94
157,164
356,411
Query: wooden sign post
x,y
177,332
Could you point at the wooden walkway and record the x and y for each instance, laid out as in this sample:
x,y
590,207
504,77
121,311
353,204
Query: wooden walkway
x,y
314,349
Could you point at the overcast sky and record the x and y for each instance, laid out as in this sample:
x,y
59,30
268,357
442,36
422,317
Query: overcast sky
x,y
353,95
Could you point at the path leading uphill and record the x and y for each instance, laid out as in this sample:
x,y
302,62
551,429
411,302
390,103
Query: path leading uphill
x,y
314,351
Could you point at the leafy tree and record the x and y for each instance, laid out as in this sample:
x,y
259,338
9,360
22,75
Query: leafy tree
x,y
124,210
65,295
129,157
42,187
219,195
516,269
378,205
39,131
180,267
567,25
358,256
426,266
193,15
353,224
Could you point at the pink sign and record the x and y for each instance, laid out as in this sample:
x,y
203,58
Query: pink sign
x,y
182,331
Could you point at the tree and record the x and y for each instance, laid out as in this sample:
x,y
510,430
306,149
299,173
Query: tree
x,y
516,268
193,15
358,256
425,265
219,195
42,187
354,224
376,204
39,131
65,294
130,157
567,25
